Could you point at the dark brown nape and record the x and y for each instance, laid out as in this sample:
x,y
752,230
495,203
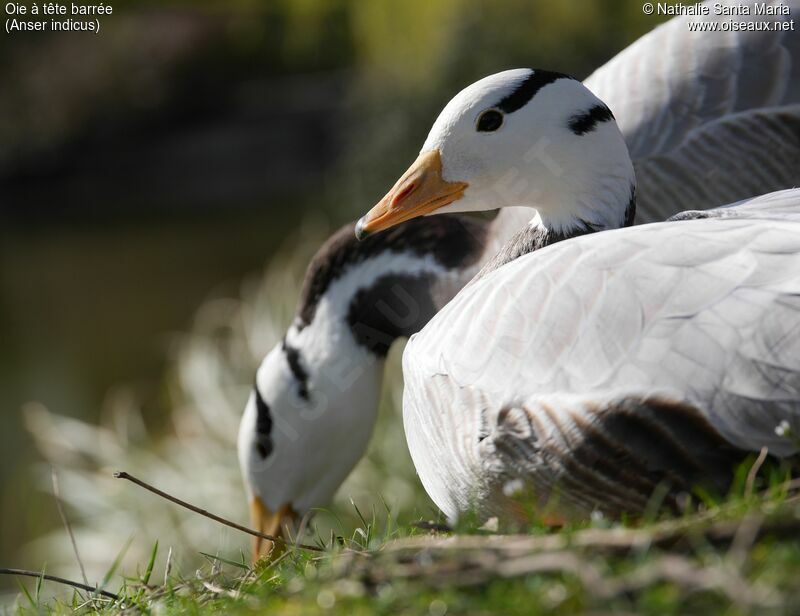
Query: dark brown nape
x,y
529,238
453,241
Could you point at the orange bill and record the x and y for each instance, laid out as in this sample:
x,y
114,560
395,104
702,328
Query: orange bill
x,y
421,190
271,523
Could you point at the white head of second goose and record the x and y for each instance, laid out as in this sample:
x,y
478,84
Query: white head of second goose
x,y
523,137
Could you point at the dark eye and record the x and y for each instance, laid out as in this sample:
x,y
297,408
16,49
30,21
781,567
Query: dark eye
x,y
489,121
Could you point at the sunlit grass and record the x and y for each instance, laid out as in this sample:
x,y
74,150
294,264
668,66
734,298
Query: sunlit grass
x,y
740,555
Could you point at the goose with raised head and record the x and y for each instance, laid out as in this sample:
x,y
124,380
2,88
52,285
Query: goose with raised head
x,y
322,381
586,368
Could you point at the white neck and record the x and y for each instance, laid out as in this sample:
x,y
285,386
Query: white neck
x,y
616,209
607,204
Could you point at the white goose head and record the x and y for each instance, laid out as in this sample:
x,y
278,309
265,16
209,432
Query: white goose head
x,y
306,423
522,137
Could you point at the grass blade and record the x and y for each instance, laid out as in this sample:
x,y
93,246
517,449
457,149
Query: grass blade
x,y
27,594
39,582
115,565
232,563
150,565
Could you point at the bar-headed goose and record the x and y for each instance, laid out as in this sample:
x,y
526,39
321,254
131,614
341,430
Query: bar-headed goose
x,y
315,399
591,366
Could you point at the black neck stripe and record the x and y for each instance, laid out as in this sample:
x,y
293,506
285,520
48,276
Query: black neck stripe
x,y
526,90
263,439
453,241
395,305
294,360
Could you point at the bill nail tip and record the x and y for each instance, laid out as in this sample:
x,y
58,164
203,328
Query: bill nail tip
x,y
361,233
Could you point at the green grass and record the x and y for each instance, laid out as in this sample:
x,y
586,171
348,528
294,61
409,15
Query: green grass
x,y
738,556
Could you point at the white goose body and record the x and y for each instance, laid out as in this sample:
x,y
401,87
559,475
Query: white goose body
x,y
603,365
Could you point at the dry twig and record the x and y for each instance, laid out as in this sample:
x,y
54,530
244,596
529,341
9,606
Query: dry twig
x,y
59,580
751,475
211,516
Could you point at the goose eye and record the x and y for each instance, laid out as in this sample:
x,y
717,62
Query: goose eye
x,y
489,121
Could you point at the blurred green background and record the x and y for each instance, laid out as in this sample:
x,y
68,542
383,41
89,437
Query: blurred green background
x,y
151,167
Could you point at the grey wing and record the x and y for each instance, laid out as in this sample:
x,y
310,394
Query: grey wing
x,y
672,80
732,158
674,86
